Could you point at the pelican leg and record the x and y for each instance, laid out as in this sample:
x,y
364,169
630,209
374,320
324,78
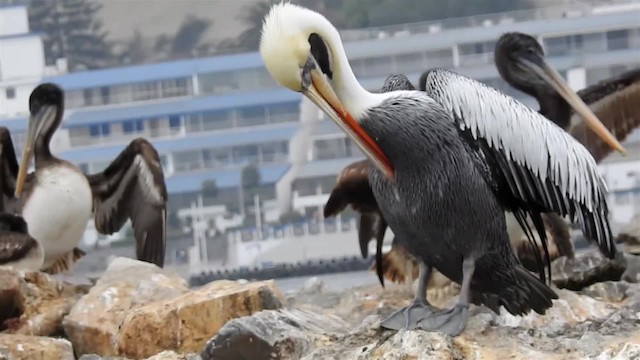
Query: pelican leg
x,y
452,321
408,317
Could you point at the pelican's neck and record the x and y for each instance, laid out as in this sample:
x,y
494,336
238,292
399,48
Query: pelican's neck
x,y
355,98
42,147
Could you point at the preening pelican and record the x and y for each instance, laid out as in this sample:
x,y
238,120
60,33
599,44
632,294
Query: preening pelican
x,y
57,199
446,164
520,61
353,188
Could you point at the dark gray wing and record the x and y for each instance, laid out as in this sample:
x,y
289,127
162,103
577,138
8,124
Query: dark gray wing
x,y
8,169
543,168
14,246
616,102
133,187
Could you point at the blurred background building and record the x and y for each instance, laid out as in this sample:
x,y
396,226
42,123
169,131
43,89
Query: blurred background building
x,y
250,164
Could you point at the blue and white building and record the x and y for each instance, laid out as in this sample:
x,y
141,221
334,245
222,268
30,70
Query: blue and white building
x,y
210,117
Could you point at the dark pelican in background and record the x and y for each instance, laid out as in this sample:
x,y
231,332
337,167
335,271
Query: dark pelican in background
x,y
17,248
520,61
445,166
57,199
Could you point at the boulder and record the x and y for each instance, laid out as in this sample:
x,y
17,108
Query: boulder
x,y
94,322
34,303
587,269
273,334
185,323
28,347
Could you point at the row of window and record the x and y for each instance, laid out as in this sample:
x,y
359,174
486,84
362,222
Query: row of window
x,y
273,152
175,124
212,159
229,82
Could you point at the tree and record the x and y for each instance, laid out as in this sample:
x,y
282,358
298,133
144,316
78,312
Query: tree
x,y
173,220
291,217
136,50
209,188
250,177
249,182
367,13
71,30
255,13
189,35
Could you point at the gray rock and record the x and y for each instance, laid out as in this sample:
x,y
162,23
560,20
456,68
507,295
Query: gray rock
x,y
612,291
587,269
272,334
632,272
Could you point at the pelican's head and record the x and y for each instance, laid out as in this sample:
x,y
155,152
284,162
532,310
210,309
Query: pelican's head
x,y
46,105
520,61
303,52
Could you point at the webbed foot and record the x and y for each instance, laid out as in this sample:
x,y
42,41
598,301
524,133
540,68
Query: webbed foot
x,y
450,321
409,317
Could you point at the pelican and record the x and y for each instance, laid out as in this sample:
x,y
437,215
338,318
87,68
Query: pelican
x,y
57,199
520,61
353,188
17,248
445,166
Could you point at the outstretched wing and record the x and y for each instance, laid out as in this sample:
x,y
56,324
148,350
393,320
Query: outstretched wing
x,y
615,102
133,187
542,167
8,169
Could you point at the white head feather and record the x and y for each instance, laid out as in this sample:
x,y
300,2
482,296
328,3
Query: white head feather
x,y
285,48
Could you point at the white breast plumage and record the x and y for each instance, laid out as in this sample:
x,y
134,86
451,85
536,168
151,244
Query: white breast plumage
x,y
58,209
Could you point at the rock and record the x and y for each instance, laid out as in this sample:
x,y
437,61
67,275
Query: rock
x,y
586,269
171,355
270,334
602,321
165,355
95,320
34,303
27,347
632,272
611,291
629,236
185,323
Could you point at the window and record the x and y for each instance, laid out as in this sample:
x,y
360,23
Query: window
x,y
174,87
187,160
174,121
104,95
274,152
617,40
88,96
216,158
145,91
251,116
248,153
216,120
283,112
98,130
132,126
11,93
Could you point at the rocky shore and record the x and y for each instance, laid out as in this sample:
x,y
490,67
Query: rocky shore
x,y
139,311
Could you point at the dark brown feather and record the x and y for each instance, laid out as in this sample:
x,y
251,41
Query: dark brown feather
x,y
65,262
8,169
122,192
615,102
352,188
15,241
559,239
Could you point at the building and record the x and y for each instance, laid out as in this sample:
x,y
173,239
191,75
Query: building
x,y
584,43
211,117
21,60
